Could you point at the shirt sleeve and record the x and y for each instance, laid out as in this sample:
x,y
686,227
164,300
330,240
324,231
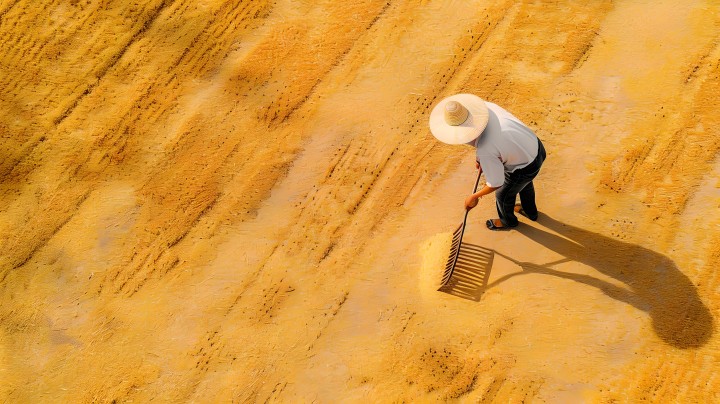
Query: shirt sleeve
x,y
493,169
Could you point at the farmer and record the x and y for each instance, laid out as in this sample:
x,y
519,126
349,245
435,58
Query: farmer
x,y
507,151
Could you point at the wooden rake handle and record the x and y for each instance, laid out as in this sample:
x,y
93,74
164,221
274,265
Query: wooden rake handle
x,y
477,181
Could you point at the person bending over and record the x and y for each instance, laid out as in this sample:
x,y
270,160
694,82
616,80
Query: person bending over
x,y
506,151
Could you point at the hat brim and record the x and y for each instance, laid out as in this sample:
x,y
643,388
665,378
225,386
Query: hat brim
x,y
467,131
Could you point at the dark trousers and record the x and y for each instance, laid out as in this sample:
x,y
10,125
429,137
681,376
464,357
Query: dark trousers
x,y
519,182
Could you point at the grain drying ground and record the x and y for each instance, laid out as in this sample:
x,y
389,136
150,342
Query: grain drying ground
x,y
240,201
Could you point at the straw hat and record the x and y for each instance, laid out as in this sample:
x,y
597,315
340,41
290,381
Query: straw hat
x,y
459,119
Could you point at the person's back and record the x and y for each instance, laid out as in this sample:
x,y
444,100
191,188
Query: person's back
x,y
506,144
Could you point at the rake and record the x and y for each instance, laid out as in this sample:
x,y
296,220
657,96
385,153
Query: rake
x,y
456,243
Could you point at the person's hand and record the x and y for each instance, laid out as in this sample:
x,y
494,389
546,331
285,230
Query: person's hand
x,y
471,202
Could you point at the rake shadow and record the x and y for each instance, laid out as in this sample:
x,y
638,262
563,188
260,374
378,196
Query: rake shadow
x,y
472,271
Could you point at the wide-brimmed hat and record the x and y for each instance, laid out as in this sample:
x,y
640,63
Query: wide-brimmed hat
x,y
458,119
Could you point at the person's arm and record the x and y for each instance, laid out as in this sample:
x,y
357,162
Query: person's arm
x,y
495,175
472,200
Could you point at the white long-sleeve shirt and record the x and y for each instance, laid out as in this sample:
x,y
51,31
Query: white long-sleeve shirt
x,y
505,145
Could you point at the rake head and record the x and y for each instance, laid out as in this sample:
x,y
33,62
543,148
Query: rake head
x,y
454,253
455,244
469,278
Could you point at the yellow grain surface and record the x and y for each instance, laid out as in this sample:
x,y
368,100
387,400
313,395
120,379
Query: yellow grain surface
x,y
240,201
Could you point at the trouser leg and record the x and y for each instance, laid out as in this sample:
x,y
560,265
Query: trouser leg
x,y
527,200
505,202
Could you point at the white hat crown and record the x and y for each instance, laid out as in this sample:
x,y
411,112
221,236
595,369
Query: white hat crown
x,y
455,113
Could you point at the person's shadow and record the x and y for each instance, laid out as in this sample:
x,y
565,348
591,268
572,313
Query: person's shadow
x,y
654,282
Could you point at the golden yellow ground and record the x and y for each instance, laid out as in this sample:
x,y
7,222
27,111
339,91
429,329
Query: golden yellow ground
x,y
215,201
